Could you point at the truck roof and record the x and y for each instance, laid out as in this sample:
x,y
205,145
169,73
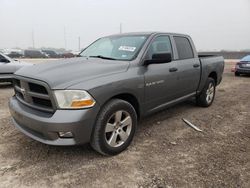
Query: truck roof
x,y
147,33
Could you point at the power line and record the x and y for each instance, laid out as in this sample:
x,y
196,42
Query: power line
x,y
79,43
120,27
65,39
33,39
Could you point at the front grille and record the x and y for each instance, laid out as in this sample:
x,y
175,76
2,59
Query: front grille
x,y
37,88
42,102
244,65
34,94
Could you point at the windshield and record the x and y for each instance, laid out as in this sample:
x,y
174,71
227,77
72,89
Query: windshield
x,y
246,58
115,47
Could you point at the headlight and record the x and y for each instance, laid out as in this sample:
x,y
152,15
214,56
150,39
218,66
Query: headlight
x,y
73,99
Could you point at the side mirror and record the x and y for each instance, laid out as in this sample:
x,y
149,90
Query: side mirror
x,y
159,58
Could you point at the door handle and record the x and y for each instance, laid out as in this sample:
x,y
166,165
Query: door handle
x,y
174,69
196,65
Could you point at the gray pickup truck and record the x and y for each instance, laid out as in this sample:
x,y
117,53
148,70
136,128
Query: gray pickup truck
x,y
99,97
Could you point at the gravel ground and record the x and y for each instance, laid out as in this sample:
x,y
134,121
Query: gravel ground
x,y
165,151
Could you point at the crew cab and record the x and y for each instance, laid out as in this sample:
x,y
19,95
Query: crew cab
x,y
99,97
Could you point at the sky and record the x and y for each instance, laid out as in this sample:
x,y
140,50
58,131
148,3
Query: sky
x,y
213,24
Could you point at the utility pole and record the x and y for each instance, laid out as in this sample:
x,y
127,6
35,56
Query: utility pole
x,y
120,27
33,39
65,39
79,43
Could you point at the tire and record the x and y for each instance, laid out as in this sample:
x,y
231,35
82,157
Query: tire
x,y
110,135
237,74
206,97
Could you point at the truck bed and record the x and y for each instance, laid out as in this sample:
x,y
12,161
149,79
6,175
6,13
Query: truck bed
x,y
210,64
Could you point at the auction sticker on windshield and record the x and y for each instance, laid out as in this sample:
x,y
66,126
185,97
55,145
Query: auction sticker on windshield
x,y
127,48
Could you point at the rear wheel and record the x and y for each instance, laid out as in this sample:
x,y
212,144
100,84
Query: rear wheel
x,y
207,95
115,127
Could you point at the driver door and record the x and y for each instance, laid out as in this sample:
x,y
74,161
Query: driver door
x,y
160,79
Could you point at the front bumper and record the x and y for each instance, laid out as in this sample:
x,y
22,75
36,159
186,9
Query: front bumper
x,y
242,70
44,127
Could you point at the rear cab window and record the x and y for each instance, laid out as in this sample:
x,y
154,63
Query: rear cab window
x,y
184,48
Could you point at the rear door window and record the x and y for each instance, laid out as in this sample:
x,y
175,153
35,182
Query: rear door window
x,y
184,48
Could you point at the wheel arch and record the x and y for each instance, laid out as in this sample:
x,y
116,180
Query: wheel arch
x,y
214,76
130,98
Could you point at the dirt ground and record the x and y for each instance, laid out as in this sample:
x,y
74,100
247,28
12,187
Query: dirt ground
x,y
165,151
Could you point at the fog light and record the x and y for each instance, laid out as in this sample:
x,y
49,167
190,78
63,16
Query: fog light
x,y
65,134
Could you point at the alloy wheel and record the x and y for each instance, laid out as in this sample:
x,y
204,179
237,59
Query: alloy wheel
x,y
210,93
118,128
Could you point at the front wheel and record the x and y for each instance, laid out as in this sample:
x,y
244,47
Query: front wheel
x,y
115,127
207,95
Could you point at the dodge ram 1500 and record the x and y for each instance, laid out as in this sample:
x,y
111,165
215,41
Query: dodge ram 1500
x,y
98,98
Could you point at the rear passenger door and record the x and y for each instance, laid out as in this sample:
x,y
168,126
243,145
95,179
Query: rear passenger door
x,y
188,74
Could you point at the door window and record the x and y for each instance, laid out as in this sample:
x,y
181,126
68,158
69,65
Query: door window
x,y
184,48
161,44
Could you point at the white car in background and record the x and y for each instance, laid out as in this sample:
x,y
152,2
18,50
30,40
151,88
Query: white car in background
x,y
8,66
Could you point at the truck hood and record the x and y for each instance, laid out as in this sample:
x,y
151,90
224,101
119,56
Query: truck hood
x,y
62,74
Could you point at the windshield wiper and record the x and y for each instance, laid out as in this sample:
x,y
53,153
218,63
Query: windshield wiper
x,y
103,57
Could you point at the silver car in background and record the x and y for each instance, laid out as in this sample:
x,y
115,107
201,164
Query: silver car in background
x,y
8,66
